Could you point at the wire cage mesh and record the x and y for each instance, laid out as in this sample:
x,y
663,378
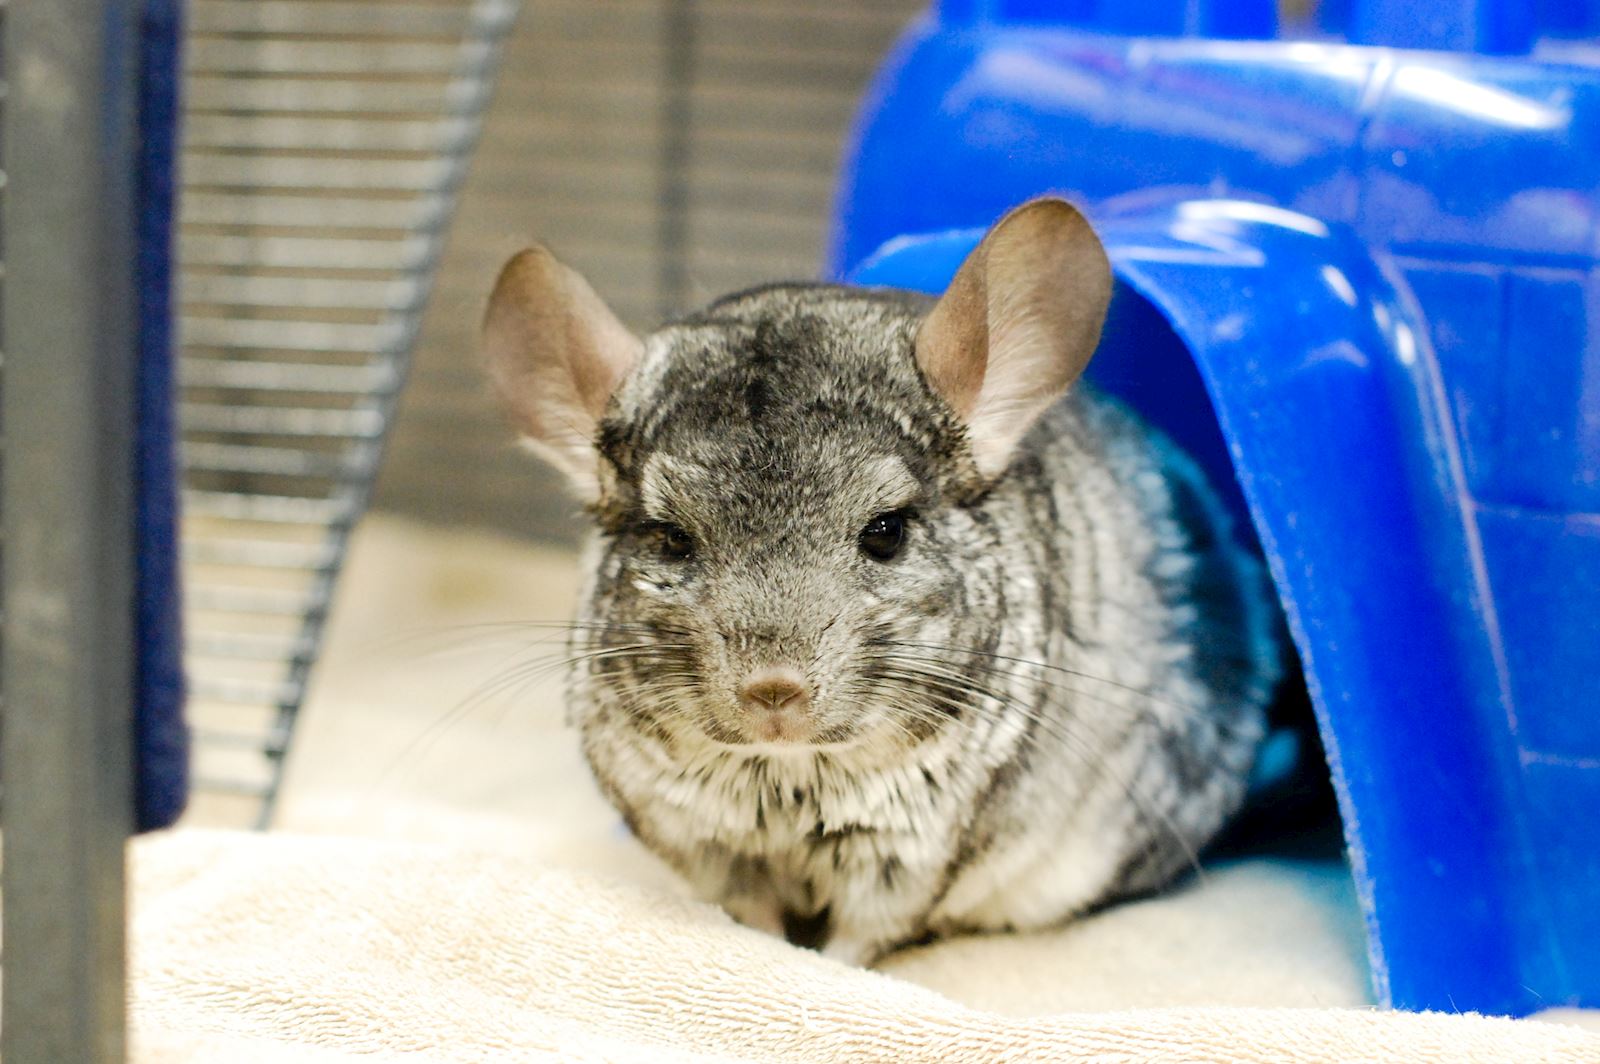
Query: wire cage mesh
x,y
324,144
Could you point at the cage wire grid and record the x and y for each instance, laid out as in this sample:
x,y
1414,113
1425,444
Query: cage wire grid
x,y
325,143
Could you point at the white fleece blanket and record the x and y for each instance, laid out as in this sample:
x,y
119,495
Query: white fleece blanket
x,y
250,948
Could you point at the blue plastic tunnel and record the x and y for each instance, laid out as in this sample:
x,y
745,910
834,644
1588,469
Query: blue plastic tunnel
x,y
1360,283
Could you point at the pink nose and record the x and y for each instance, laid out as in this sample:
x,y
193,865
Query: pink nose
x,y
773,690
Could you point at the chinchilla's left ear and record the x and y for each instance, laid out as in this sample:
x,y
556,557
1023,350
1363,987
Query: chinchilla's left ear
x,y
1017,325
556,355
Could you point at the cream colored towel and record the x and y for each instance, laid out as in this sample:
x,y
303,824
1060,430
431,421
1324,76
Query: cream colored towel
x,y
252,948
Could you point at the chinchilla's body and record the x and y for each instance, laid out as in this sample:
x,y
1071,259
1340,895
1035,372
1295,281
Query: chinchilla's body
x,y
883,637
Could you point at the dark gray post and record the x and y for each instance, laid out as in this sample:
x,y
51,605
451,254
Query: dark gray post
x,y
68,336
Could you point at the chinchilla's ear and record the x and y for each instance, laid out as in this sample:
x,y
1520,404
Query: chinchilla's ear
x,y
556,354
1017,325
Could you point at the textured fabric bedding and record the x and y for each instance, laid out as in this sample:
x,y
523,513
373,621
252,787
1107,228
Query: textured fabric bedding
x,y
250,948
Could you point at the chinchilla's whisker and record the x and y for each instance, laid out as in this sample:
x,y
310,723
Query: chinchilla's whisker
x,y
443,642
1059,729
1002,660
665,681
506,685
942,713
651,656
556,660
951,696
525,674
968,684
999,664
469,634
959,685
438,643
930,667
424,739
517,677
891,692
663,699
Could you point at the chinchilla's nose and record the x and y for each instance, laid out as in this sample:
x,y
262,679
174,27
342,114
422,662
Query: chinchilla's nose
x,y
774,689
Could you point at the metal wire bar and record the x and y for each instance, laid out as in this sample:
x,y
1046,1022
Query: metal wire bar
x,y
259,790
245,95
211,689
275,461
281,17
317,197
280,421
257,554
246,646
266,509
225,599
307,292
306,133
244,55
304,252
261,335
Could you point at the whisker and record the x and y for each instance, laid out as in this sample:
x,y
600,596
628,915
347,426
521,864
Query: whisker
x,y
1056,728
518,677
1075,673
547,630
1141,710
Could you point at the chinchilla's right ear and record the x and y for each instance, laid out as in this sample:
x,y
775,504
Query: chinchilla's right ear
x,y
556,355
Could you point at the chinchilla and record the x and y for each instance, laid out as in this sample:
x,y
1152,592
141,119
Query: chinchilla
x,y
893,627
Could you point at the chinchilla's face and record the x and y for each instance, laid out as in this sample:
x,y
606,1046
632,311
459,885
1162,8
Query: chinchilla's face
x,y
777,509
783,481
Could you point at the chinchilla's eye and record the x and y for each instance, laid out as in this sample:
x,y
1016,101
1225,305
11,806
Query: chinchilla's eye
x,y
883,536
676,544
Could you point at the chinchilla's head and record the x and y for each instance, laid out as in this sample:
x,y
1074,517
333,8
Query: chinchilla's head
x,y
782,480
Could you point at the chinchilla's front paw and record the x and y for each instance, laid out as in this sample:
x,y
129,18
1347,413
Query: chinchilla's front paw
x,y
760,913
859,952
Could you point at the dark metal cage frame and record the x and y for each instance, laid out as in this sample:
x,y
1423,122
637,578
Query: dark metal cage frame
x,y
68,408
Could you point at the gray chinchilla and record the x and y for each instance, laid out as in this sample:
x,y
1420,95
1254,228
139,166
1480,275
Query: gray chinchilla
x,y
892,628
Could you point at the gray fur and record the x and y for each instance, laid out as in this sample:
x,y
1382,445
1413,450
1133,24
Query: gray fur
x,y
1049,700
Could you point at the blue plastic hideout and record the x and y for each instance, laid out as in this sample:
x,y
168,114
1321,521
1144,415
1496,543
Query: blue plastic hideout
x,y
1369,257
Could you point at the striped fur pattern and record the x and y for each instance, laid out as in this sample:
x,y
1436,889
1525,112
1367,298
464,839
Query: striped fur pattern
x,y
1048,700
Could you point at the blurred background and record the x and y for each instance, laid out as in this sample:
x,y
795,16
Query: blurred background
x,y
351,673
670,150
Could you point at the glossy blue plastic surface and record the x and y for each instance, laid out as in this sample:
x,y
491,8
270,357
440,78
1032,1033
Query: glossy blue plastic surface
x,y
1375,271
